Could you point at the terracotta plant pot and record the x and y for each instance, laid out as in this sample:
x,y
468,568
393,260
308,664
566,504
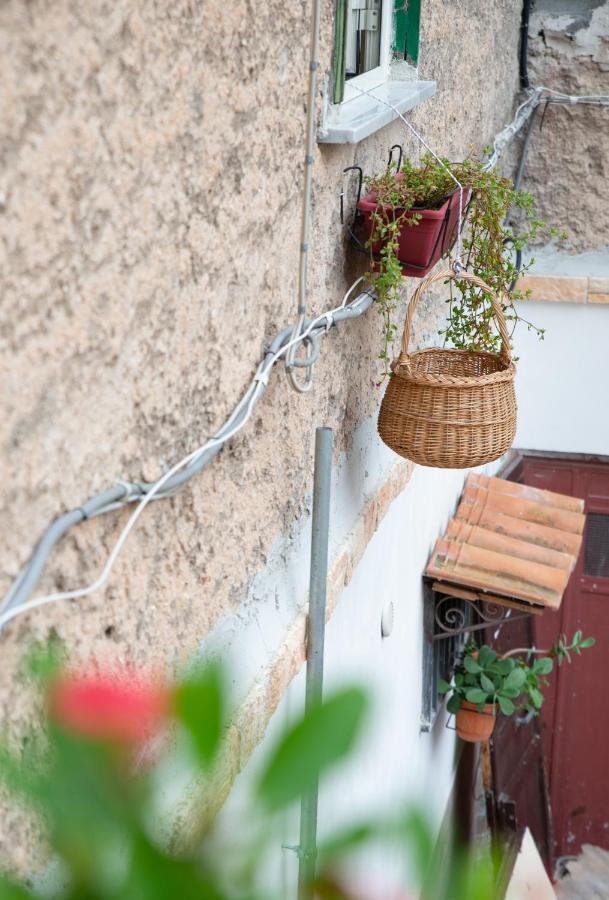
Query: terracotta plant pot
x,y
423,244
474,726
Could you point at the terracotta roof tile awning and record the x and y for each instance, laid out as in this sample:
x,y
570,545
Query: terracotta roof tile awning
x,y
510,540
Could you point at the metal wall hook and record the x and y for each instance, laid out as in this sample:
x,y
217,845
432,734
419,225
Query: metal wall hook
x,y
509,242
400,150
360,182
544,113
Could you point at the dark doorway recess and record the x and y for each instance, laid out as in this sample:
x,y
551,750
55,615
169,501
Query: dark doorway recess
x,y
565,754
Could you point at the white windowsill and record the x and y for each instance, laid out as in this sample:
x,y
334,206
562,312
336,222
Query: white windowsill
x,y
350,122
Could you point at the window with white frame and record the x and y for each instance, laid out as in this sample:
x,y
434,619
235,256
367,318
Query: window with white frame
x,y
369,36
374,69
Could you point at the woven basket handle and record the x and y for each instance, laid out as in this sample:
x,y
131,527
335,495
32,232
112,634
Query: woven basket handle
x,y
445,274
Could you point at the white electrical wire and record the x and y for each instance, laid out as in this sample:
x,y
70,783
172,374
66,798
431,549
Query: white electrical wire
x,y
260,380
602,99
536,96
522,114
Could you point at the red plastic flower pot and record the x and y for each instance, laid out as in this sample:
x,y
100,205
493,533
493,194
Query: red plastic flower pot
x,y
421,245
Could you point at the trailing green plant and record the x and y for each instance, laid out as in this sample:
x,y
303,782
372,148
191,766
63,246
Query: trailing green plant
x,y
485,243
509,682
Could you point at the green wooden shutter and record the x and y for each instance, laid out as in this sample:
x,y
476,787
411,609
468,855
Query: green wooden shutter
x,y
406,24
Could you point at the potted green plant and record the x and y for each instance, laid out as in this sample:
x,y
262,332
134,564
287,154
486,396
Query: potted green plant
x,y
424,198
485,683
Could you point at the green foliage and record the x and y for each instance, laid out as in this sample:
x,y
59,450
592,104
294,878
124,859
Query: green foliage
x,y
44,660
464,878
509,682
11,891
323,738
96,796
562,649
485,241
199,703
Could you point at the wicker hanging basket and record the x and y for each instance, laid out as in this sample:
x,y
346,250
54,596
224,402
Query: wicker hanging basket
x,y
450,409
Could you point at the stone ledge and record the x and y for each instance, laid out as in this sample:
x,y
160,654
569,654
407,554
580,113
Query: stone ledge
x,y
566,288
356,119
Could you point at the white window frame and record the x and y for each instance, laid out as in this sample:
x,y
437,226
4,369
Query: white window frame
x,y
394,88
367,81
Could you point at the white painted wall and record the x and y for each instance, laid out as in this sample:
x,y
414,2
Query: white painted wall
x,y
395,762
563,381
562,384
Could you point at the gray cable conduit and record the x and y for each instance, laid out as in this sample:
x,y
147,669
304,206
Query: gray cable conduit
x,y
123,493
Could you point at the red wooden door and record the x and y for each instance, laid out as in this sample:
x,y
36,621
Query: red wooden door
x,y
576,712
519,792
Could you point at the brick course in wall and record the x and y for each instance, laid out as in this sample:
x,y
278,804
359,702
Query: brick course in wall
x,y
566,288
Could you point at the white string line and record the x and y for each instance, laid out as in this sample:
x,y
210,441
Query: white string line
x,y
505,135
261,376
419,137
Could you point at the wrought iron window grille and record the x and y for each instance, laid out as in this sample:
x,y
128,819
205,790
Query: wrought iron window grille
x,y
452,617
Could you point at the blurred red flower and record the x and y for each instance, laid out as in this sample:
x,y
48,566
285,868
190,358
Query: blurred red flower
x,y
121,708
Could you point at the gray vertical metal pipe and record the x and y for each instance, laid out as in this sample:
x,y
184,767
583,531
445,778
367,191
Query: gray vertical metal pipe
x,y
315,643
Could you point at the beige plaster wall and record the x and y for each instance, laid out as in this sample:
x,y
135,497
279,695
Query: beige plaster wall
x,y
568,163
150,177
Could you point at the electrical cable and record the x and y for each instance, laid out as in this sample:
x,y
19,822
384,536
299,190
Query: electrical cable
x,y
524,44
124,493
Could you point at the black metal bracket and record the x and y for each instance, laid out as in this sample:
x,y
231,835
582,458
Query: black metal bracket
x,y
360,242
400,150
360,182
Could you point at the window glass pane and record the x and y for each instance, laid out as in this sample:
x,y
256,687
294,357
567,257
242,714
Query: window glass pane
x,y
363,36
596,550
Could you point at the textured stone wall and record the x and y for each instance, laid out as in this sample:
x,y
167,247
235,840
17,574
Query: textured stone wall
x,y
150,177
568,163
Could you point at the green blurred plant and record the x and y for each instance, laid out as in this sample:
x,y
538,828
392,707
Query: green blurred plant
x,y
92,777
427,186
508,681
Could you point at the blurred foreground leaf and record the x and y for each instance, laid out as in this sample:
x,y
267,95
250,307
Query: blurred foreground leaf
x,y
323,737
199,701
